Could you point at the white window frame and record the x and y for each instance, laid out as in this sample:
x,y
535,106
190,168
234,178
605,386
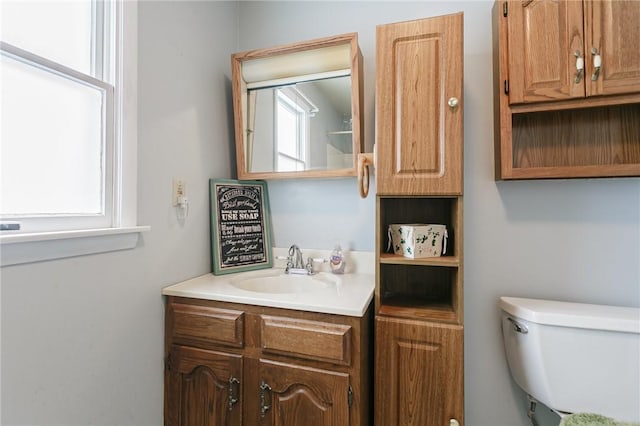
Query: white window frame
x,y
304,110
18,248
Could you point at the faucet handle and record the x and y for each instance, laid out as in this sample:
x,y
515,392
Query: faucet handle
x,y
311,260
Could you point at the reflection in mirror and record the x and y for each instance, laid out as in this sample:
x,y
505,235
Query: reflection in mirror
x,y
297,109
301,126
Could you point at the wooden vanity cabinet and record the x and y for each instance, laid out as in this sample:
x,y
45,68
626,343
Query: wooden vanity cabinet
x,y
233,364
419,302
557,114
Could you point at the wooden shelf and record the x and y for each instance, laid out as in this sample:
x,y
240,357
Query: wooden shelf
x,y
592,102
401,308
396,259
617,170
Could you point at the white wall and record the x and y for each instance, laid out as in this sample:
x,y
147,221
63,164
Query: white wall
x,y
82,338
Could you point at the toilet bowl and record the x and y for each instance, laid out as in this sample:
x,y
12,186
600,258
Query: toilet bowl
x,y
575,357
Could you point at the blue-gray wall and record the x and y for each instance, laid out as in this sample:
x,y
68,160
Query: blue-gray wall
x,y
82,338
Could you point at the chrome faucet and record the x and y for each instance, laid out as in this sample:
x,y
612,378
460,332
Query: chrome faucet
x,y
295,262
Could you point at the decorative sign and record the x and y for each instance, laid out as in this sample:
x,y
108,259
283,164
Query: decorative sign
x,y
240,226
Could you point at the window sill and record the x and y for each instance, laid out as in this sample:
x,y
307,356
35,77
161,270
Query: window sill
x,y
16,249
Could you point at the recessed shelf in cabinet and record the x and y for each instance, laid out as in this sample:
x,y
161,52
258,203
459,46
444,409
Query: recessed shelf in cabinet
x,y
427,210
425,288
419,291
599,141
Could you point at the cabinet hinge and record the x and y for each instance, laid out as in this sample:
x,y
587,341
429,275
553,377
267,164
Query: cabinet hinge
x,y
350,396
505,9
167,363
506,87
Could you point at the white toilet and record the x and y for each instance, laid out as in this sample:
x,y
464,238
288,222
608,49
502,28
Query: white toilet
x,y
575,357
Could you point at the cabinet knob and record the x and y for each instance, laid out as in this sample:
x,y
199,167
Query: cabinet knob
x,y
453,422
597,63
453,102
579,66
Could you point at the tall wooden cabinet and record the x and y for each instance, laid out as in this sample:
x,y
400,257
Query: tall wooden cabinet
x,y
419,143
566,88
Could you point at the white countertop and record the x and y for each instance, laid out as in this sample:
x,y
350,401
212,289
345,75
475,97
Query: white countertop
x,y
345,294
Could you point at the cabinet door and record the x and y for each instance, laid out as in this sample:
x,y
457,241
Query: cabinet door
x,y
419,373
292,395
418,135
544,37
613,31
202,388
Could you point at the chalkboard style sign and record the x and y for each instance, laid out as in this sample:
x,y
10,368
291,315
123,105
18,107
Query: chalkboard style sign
x,y
240,226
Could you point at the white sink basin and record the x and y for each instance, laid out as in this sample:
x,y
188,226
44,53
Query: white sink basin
x,y
280,283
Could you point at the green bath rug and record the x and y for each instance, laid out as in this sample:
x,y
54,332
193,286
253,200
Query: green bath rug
x,y
588,419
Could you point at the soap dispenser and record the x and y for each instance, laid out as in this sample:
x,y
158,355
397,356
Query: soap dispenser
x,y
336,260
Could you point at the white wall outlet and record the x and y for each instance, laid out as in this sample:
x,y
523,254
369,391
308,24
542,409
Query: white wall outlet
x,y
179,190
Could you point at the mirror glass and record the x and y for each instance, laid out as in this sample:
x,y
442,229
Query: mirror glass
x,y
300,126
296,109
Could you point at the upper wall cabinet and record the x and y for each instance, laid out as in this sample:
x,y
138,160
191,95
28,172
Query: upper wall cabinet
x,y
419,107
297,109
566,88
571,49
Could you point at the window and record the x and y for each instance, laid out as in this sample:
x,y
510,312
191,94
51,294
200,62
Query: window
x,y
293,111
68,135
58,115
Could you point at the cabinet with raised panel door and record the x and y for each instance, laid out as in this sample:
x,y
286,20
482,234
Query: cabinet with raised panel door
x,y
202,387
571,49
566,88
419,107
233,364
424,361
419,143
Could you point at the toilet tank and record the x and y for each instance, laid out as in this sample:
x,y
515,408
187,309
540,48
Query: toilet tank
x,y
575,357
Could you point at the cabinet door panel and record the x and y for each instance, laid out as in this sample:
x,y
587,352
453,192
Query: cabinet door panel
x,y
304,396
419,378
613,30
418,136
198,388
543,38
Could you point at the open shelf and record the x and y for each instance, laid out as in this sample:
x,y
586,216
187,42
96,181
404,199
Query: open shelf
x,y
417,285
426,210
397,259
564,142
431,313
426,288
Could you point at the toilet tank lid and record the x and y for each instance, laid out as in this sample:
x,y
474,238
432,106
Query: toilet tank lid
x,y
569,314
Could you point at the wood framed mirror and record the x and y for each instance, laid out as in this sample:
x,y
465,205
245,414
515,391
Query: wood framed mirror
x,y
297,109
